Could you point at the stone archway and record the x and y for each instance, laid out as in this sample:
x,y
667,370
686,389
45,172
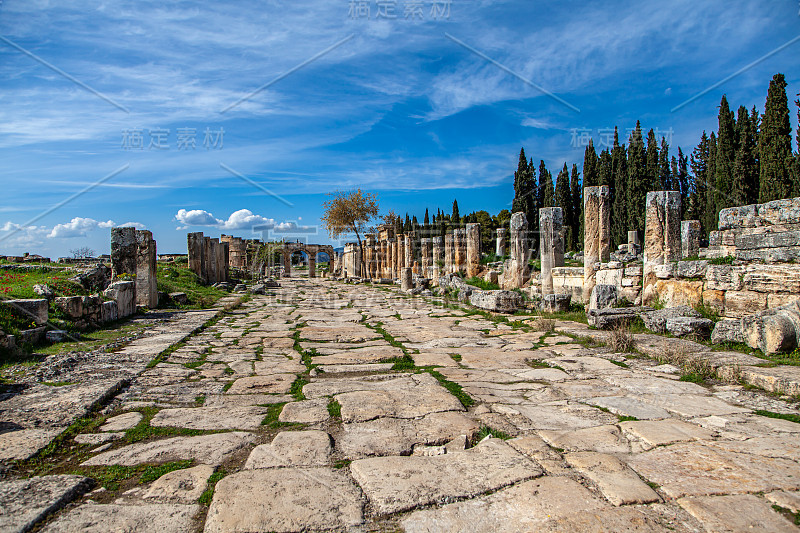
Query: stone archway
x,y
311,251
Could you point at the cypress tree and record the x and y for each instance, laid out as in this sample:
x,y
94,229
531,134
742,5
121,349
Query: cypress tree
x,y
709,215
797,155
637,181
681,178
726,155
744,190
653,182
664,172
775,145
426,221
522,186
590,162
604,168
697,195
619,204
577,208
456,218
545,185
535,201
563,199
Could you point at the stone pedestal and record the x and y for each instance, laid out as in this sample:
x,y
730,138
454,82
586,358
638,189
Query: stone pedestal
x,y
406,280
473,248
518,272
123,252
312,265
400,253
146,287
448,254
662,232
500,245
194,245
409,251
459,250
551,239
437,258
287,264
690,238
633,242
390,260
596,234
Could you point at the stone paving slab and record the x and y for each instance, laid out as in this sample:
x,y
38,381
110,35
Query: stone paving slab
x,y
663,432
292,448
736,513
207,449
618,483
26,502
25,443
265,384
101,518
210,418
284,499
360,406
394,484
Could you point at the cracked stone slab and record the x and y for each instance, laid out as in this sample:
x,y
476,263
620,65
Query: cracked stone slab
x,y
305,412
695,469
243,400
628,406
273,383
664,432
180,486
367,367
397,436
210,418
394,484
25,502
560,416
618,483
292,448
519,509
691,405
787,500
300,499
733,513
361,406
206,449
95,439
333,386
164,518
25,443
605,439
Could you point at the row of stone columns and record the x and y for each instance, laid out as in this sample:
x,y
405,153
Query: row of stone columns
x,y
208,258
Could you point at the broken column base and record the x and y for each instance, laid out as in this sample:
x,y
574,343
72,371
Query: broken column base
x,y
772,331
496,301
555,303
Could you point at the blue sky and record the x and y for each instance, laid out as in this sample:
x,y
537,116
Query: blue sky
x,y
403,107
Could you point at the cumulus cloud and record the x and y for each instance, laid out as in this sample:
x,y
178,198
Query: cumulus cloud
x,y
78,227
241,219
12,234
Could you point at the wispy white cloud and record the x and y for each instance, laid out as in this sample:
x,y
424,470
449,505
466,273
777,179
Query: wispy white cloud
x,y
78,227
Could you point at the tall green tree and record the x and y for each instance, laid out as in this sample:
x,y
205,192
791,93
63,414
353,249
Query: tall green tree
x,y
637,182
708,217
545,185
653,183
523,188
577,208
744,188
456,218
797,155
775,145
665,181
681,178
619,200
604,168
699,183
426,221
726,156
590,162
563,199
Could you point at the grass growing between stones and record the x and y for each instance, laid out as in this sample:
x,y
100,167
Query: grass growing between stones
x,y
112,476
335,409
176,277
485,431
452,387
296,389
144,431
482,284
787,513
272,421
208,494
782,416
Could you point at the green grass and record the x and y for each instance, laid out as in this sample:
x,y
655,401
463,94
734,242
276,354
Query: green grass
x,y
482,284
208,494
623,418
343,463
272,421
335,409
152,473
781,416
727,260
297,388
455,357
484,431
176,277
694,377
144,431
619,363
453,388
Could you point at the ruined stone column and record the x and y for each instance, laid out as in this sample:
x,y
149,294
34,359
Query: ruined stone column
x,y
662,232
500,248
312,263
690,238
460,249
596,233
224,261
448,253
436,259
146,288
551,245
390,258
473,246
633,242
425,257
287,264
409,251
519,272
406,280
399,253
194,245
123,252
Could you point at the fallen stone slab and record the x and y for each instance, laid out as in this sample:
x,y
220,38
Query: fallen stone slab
x,y
164,518
606,439
394,484
299,499
26,502
180,486
25,443
780,379
243,400
519,509
206,449
361,406
367,367
690,327
742,512
398,436
305,412
122,422
292,448
269,384
618,483
210,418
656,320
95,439
654,433
497,301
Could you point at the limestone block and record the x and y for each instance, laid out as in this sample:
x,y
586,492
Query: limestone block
x,y
715,300
497,301
406,282
779,300
33,309
500,248
728,330
596,238
739,217
551,244
771,334
689,326
518,272
665,271
692,269
657,320
772,278
690,238
609,276
109,312
123,252
473,247
556,303
124,293
633,270
723,278
674,293
743,303
603,297
662,234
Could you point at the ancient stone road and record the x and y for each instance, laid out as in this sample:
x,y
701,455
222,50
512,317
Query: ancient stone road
x,y
599,441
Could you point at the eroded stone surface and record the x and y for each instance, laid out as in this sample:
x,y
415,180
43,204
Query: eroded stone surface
x,y
735,513
618,483
164,518
25,502
210,417
292,448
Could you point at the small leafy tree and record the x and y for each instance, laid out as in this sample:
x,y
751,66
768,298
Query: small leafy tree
x,y
350,211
